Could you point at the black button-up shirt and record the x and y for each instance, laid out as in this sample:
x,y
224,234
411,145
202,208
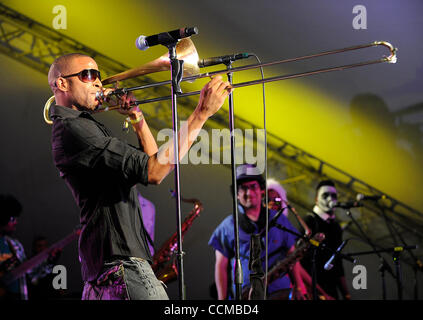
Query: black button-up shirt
x,y
101,172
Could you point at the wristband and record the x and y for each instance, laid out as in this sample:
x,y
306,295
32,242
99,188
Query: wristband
x,y
137,120
133,122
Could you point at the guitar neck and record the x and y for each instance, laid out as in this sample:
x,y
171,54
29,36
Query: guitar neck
x,y
39,258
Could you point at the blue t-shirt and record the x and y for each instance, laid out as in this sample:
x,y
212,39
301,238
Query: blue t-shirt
x,y
223,240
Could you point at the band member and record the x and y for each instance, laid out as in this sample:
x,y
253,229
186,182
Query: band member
x,y
40,284
322,219
252,217
12,252
276,196
102,172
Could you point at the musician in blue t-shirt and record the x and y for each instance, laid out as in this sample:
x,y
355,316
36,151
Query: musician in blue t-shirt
x,y
252,220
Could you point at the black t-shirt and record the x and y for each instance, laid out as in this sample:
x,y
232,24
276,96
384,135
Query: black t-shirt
x,y
102,173
327,279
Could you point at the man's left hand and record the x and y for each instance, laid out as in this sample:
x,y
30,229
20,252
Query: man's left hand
x,y
126,103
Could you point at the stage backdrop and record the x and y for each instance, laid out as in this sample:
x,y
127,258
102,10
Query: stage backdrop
x,y
365,121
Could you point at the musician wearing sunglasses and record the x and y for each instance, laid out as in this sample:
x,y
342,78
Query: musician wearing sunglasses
x,y
102,172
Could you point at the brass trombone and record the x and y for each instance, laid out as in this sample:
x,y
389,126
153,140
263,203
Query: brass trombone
x,y
189,54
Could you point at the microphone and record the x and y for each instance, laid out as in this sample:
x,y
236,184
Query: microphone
x,y
329,264
222,59
164,38
361,197
345,205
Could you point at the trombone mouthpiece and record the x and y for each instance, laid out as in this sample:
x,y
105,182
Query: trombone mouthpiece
x,y
99,95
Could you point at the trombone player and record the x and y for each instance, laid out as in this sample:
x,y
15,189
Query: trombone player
x,y
102,171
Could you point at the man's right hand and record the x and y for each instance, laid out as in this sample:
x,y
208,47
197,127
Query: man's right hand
x,y
212,97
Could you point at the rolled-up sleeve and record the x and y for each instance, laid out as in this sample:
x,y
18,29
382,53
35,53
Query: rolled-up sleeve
x,y
221,239
79,142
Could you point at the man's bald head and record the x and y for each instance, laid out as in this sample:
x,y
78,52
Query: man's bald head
x,y
62,66
68,88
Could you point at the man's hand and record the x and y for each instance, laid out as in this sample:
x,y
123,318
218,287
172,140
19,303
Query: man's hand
x,y
212,97
125,101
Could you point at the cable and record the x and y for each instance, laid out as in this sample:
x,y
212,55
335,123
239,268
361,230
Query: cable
x,y
265,178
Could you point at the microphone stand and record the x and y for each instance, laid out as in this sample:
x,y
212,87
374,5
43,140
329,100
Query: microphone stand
x,y
314,273
257,286
396,258
394,231
396,251
176,68
384,265
238,276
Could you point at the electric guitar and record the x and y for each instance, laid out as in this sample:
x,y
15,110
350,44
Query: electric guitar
x,y
13,271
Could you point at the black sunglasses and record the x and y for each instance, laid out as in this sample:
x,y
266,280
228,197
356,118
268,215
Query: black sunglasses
x,y
86,75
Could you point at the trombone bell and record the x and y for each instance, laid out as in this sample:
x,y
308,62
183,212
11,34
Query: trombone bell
x,y
185,50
